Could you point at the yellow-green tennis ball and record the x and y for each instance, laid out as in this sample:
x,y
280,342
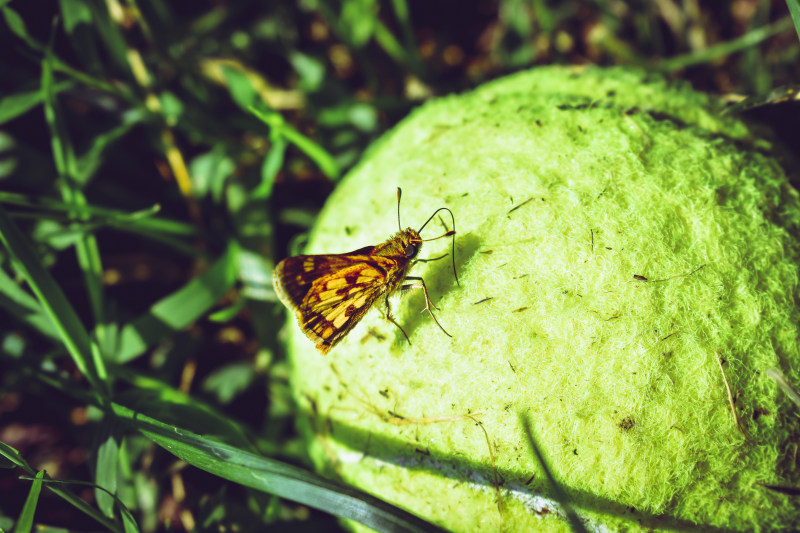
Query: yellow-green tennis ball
x,y
628,266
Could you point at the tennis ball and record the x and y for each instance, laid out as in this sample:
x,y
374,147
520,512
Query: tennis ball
x,y
627,259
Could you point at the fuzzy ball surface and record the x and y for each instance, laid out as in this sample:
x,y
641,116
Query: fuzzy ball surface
x,y
628,265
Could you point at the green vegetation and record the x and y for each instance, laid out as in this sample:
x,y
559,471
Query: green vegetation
x,y
157,158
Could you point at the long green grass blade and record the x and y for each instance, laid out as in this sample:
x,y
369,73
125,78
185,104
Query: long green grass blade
x,y
55,304
111,35
106,468
270,168
14,456
137,222
403,14
25,521
274,477
86,247
711,53
129,522
24,307
158,400
794,11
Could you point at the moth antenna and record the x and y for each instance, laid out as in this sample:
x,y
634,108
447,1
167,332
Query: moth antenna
x,y
446,234
399,194
452,232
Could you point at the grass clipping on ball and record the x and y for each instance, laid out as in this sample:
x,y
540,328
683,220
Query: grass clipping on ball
x,y
628,260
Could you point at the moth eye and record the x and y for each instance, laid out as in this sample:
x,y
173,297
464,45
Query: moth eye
x,y
411,250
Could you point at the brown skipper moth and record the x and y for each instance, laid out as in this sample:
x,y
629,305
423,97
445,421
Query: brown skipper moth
x,y
330,293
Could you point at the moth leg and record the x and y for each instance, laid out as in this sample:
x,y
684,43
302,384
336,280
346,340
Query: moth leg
x,y
392,320
420,285
428,303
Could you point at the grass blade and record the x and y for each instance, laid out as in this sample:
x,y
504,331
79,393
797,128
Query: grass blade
x,y
14,105
24,307
717,51
25,521
317,153
158,400
86,247
274,477
52,299
106,471
794,11
142,222
13,456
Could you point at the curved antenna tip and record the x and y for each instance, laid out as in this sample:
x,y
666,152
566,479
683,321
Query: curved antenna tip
x,y
399,194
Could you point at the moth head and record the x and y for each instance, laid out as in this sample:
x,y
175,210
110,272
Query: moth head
x,y
411,242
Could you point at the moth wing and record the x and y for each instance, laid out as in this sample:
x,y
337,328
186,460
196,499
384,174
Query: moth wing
x,y
336,302
330,293
294,276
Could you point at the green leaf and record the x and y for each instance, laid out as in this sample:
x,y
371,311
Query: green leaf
x,y
16,25
111,35
255,272
55,235
361,115
128,521
209,172
106,472
25,521
228,381
14,105
21,305
403,15
14,457
75,13
386,40
240,87
171,107
358,21
274,477
310,70
179,309
273,162
794,11
322,158
9,155
228,314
